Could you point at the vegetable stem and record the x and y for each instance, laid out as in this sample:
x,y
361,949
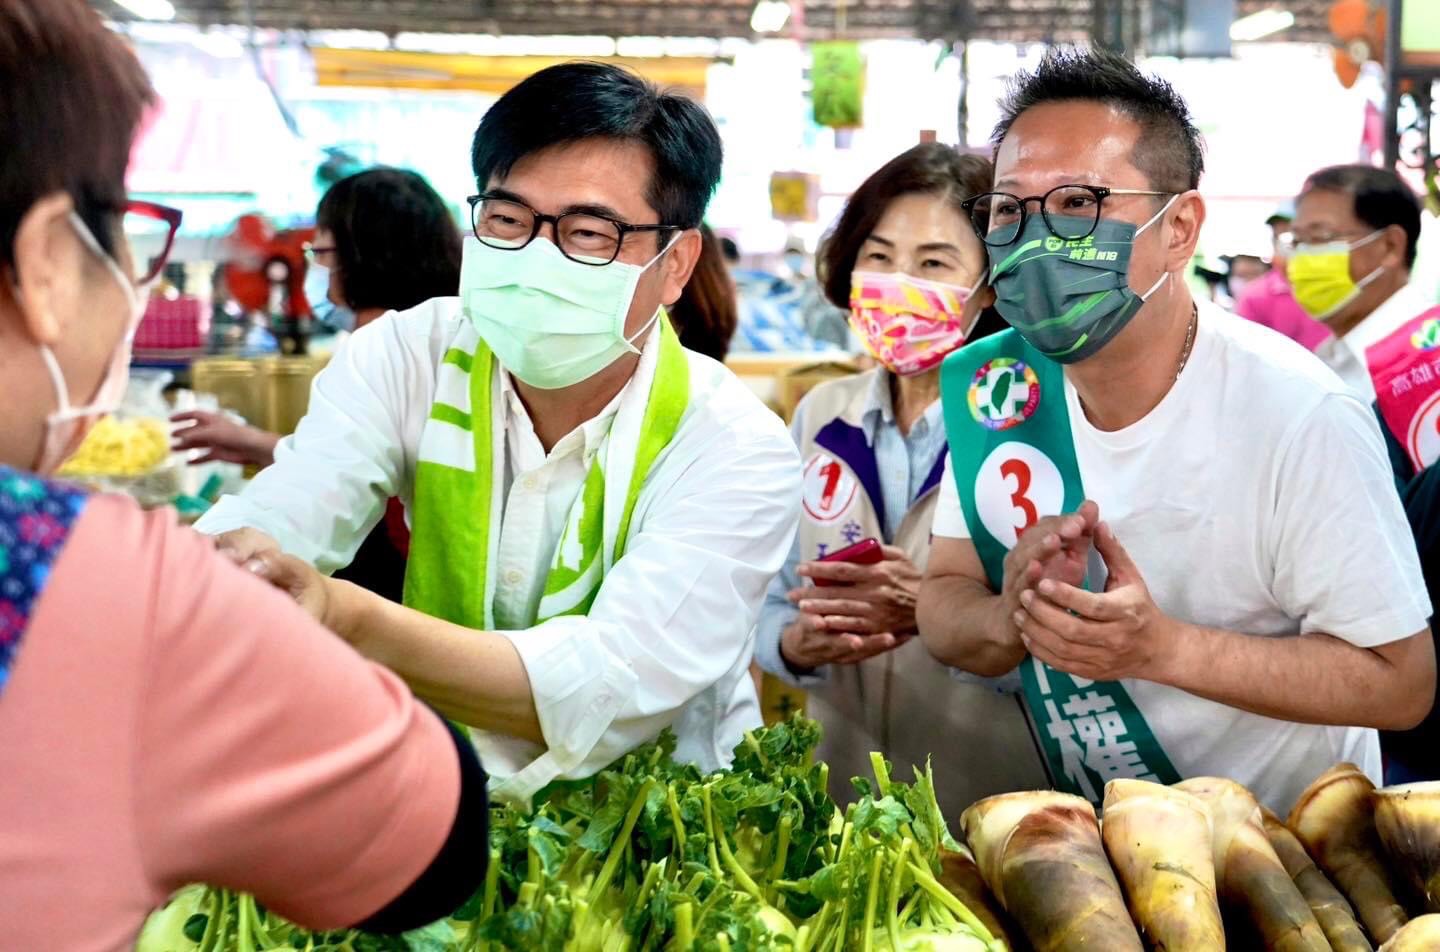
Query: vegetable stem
x,y
872,899
947,899
736,870
882,772
679,823
684,927
892,905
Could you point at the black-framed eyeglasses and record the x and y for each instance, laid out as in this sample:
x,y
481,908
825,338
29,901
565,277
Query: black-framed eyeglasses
x,y
149,229
581,236
1070,211
313,253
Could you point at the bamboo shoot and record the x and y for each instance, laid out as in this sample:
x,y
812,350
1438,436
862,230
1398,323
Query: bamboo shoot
x,y
1040,854
1408,821
1419,935
1332,910
1159,841
1335,820
1250,875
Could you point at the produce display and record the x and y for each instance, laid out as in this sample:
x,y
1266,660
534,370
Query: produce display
x,y
650,854
120,448
1251,877
653,855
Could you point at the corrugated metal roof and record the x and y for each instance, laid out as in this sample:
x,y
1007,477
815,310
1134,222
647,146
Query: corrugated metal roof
x,y
1013,20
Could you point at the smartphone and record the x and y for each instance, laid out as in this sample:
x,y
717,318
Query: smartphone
x,y
864,552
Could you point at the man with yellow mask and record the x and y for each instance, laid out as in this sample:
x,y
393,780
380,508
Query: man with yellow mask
x,y
595,512
1350,251
1353,242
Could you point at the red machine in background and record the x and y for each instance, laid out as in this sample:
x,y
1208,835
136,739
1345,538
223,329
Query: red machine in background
x,y
265,272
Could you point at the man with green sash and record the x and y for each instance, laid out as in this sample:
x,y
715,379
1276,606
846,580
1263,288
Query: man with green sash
x,y
1178,525
595,512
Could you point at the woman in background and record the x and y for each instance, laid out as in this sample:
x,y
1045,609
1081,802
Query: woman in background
x,y
389,243
707,312
905,261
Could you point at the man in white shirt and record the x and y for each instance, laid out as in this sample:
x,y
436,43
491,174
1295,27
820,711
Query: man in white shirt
x,y
595,512
1351,249
1254,606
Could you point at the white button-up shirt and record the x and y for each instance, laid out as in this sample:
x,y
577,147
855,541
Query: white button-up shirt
x,y
667,641
1346,355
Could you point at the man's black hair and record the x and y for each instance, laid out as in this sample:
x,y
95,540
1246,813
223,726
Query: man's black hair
x,y
1381,199
1169,150
576,101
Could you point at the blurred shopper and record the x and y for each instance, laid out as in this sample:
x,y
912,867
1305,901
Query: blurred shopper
x,y
1269,300
905,262
595,511
1255,608
769,314
385,241
165,717
706,314
1355,242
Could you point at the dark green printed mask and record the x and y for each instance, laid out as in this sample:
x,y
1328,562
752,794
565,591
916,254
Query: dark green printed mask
x,y
1068,297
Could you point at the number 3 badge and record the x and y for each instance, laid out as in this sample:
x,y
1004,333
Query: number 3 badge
x,y
1017,485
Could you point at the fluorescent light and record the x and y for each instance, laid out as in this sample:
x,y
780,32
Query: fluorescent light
x,y
350,39
219,44
770,16
150,9
1261,24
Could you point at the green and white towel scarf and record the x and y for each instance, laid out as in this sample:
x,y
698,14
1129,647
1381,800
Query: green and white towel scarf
x,y
1014,461
460,478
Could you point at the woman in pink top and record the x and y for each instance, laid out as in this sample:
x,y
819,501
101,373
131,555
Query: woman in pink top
x,y
165,717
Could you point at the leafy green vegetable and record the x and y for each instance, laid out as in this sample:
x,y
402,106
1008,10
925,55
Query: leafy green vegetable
x,y
652,856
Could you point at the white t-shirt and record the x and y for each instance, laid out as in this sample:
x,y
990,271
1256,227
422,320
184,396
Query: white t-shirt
x,y
1257,497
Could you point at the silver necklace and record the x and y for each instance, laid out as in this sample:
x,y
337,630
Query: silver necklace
x,y
1189,339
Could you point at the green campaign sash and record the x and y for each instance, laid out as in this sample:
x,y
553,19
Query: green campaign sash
x,y
1014,462
456,512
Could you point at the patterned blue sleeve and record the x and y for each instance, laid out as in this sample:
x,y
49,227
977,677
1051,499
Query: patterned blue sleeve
x,y
36,517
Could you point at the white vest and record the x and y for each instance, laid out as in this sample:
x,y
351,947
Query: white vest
x,y
904,703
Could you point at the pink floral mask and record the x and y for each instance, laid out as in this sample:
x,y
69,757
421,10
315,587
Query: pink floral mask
x,y
909,324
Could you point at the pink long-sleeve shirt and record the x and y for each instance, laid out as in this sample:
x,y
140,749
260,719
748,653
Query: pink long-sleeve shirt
x,y
167,718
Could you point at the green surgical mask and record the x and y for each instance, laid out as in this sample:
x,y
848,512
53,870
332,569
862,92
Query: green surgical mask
x,y
550,321
1069,297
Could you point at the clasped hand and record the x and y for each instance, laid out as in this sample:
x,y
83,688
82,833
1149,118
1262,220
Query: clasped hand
x,y
1101,636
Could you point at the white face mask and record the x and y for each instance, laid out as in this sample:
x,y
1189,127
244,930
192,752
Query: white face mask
x,y
550,321
317,294
66,426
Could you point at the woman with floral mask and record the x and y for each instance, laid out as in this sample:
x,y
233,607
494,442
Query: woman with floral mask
x,y
165,717
906,263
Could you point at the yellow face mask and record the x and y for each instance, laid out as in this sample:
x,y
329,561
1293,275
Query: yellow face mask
x,y
1320,276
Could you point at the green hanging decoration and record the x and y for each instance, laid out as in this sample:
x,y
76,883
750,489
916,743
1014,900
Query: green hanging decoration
x,y
837,75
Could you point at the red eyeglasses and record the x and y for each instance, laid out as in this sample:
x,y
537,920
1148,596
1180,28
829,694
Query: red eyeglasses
x,y
149,230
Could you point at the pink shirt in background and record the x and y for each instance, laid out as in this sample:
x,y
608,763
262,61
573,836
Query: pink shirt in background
x,y
171,719
1268,300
